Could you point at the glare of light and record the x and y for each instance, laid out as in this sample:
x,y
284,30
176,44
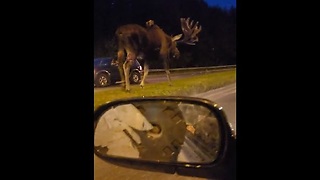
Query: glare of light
x,y
220,108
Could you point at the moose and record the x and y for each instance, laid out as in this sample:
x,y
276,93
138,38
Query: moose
x,y
149,43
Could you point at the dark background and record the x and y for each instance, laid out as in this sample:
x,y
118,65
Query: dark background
x,y
217,40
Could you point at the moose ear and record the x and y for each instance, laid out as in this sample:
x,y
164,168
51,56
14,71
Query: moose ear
x,y
176,37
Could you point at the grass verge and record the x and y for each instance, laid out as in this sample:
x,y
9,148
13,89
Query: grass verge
x,y
184,87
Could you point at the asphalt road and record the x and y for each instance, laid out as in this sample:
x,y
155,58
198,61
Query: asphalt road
x,y
225,97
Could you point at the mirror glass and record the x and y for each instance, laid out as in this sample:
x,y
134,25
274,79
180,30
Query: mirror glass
x,y
161,131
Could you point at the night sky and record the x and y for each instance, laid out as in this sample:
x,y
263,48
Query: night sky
x,y
222,3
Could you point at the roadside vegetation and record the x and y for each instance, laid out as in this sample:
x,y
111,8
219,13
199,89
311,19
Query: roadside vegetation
x,y
184,87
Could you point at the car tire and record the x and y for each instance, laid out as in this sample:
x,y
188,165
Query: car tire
x,y
103,80
135,77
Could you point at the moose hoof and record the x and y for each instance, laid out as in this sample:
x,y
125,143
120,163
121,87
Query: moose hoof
x,y
141,86
128,90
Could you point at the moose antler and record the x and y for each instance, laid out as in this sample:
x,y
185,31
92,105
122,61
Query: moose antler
x,y
190,31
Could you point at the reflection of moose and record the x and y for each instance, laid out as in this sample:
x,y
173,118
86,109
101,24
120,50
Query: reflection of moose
x,y
150,43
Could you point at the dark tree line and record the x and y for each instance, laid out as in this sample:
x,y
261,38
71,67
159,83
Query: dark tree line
x,y
217,40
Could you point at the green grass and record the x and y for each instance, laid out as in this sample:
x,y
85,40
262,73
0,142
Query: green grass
x,y
186,86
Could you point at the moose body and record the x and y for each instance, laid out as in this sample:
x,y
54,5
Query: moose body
x,y
150,43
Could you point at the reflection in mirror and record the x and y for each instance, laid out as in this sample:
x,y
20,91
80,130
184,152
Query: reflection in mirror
x,y
162,131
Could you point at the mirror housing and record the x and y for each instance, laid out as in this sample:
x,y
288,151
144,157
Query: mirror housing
x,y
173,134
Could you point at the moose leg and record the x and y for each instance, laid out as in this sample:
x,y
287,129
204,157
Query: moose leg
x,y
166,68
145,73
126,67
120,66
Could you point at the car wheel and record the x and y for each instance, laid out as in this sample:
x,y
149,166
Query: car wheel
x,y
135,77
103,80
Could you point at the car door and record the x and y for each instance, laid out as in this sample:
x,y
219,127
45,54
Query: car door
x,y
114,71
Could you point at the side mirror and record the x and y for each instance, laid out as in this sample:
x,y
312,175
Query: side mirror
x,y
190,135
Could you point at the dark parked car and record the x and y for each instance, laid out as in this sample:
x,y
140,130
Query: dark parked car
x,y
106,72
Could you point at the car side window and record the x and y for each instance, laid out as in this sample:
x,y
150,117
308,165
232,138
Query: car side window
x,y
104,62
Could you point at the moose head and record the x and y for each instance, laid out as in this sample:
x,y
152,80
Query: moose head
x,y
151,42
